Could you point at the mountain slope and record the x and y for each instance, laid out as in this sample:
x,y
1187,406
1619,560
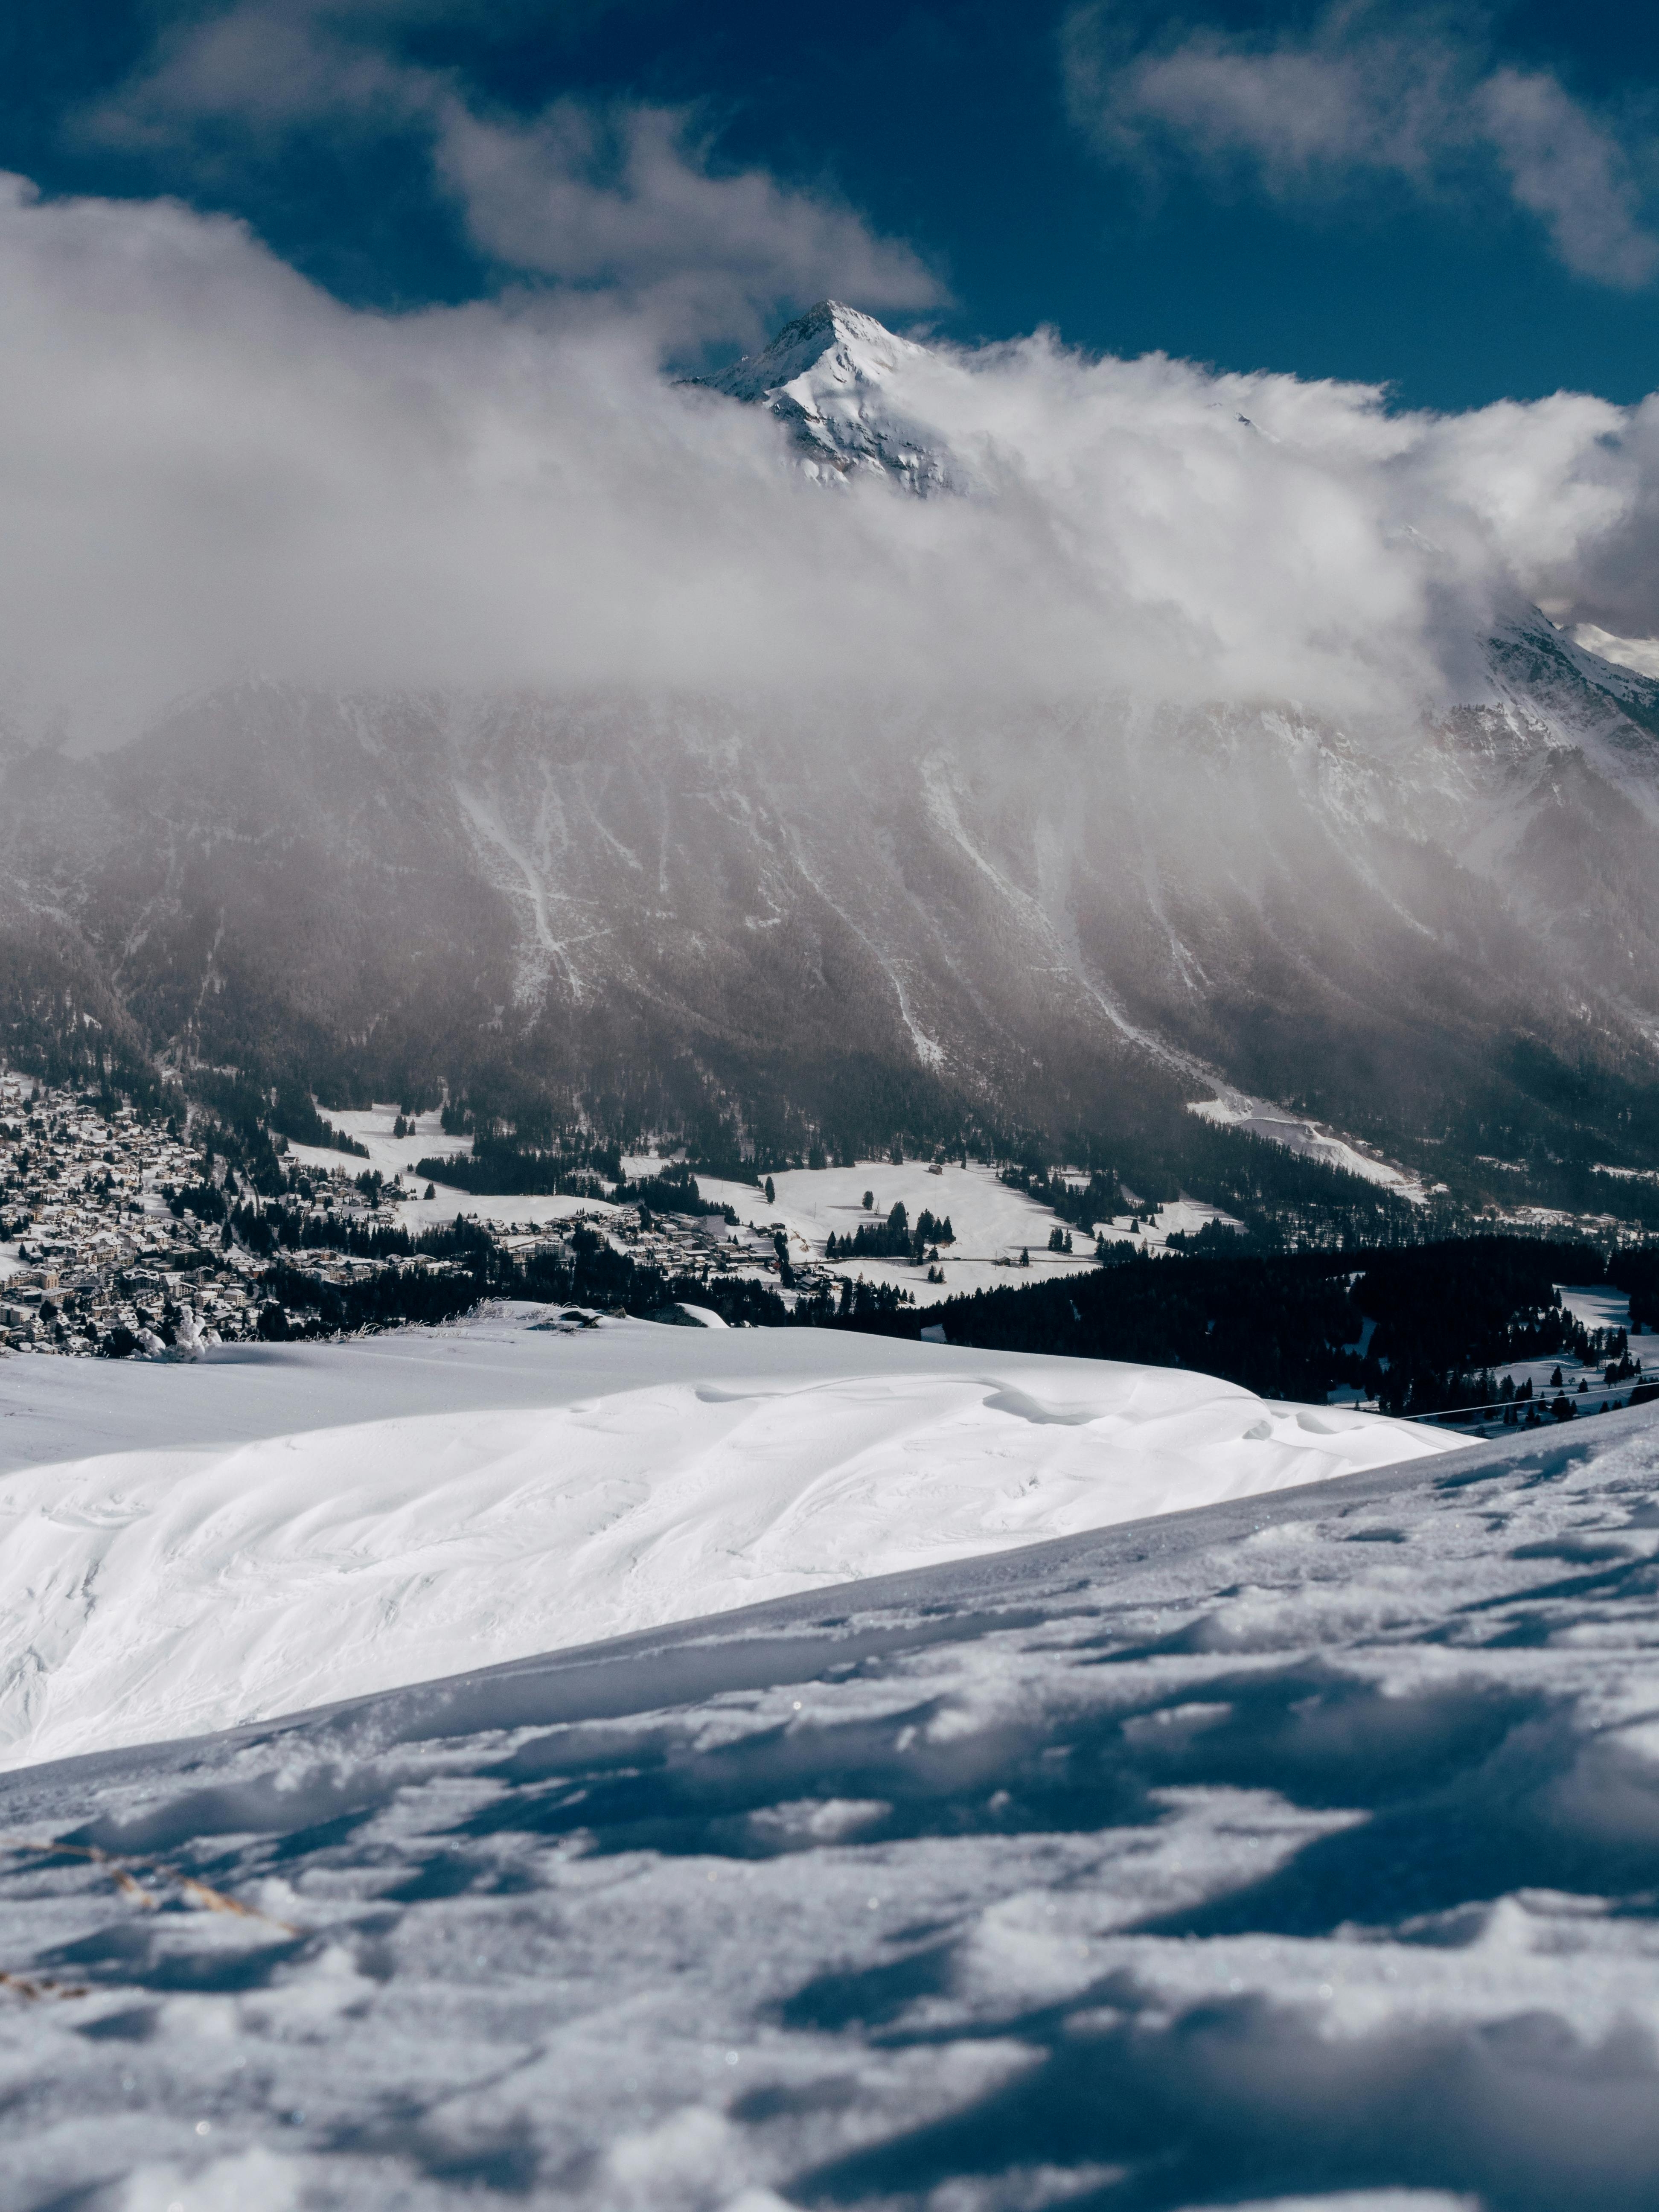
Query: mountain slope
x,y
861,916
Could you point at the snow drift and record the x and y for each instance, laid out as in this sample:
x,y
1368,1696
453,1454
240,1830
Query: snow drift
x,y
1297,1852
572,1488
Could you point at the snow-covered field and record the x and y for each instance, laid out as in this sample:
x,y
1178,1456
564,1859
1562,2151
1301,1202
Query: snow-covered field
x,y
186,1547
996,1227
1597,1306
371,1126
994,1223
1298,1853
1151,1232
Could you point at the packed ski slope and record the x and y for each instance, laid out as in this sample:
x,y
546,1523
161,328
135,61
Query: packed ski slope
x,y
184,1548
1295,1853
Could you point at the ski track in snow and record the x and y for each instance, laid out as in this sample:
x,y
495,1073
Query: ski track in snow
x,y
274,1530
1299,1851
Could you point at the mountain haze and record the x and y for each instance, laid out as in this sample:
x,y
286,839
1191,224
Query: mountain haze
x,y
849,912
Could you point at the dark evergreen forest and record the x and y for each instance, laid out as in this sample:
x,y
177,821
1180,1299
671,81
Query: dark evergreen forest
x,y
1295,1325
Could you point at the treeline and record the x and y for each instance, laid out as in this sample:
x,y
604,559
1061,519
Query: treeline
x,y
233,1119
1098,1200
1286,1201
379,1301
1140,1139
894,1238
289,1225
1636,1272
293,1112
1444,1310
500,1167
673,1191
1294,1325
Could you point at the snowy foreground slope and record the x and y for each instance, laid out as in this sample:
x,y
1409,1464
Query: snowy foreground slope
x,y
189,1547
1300,1850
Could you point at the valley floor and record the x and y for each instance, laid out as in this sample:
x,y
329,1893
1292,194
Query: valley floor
x,y
1297,1851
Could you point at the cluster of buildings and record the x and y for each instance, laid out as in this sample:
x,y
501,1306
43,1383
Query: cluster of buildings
x,y
94,1256
704,1246
102,1247
88,1245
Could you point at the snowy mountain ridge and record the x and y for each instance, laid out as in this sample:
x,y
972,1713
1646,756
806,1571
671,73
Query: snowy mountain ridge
x,y
827,377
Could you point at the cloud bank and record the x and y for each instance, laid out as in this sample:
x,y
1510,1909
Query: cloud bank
x,y
211,468
628,198
1368,93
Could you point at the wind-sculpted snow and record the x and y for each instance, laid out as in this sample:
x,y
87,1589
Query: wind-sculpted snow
x,y
291,1527
1298,1851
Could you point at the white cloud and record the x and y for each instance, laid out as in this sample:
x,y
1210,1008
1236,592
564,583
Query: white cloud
x,y
1640,654
625,199
1569,173
628,196
262,66
1366,93
208,467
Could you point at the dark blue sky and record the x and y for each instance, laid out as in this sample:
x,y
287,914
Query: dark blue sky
x,y
1461,259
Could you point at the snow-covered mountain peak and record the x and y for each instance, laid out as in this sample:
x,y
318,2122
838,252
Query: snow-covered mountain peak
x,y
829,375
829,346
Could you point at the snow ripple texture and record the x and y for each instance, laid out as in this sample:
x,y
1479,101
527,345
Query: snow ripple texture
x,y
1298,1851
361,1517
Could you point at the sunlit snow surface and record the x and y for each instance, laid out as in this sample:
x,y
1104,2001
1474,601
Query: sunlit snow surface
x,y
183,1548
1302,1851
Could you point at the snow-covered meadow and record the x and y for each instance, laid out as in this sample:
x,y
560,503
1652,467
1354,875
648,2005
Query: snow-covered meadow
x,y
186,1547
1295,1853
995,1223
997,1227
